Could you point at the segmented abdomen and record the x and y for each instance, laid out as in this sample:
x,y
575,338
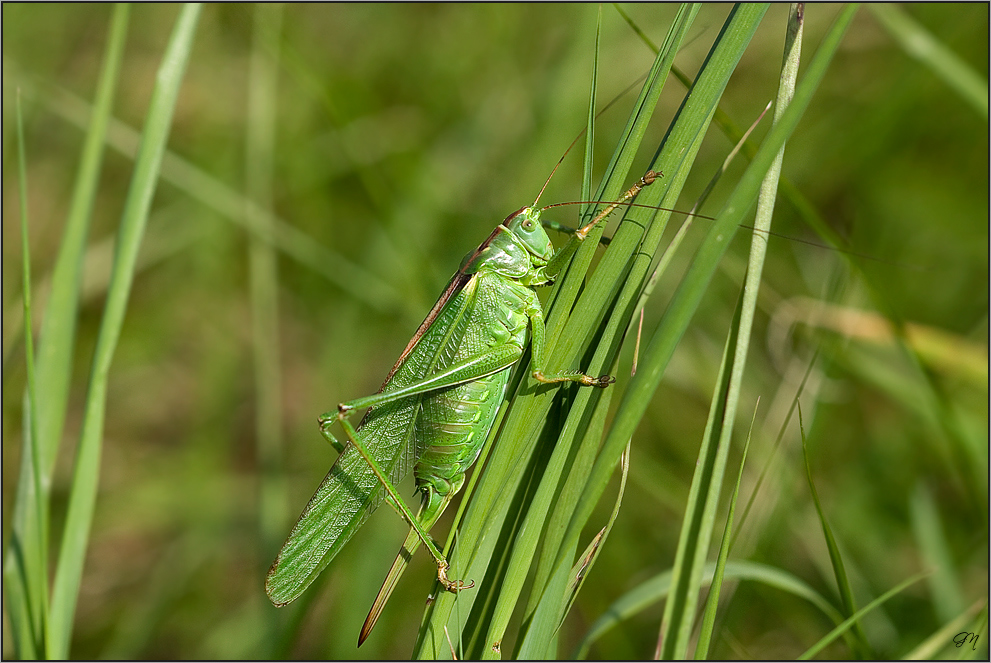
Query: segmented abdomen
x,y
455,422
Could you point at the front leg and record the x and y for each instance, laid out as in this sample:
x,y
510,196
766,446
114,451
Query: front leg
x,y
536,315
484,363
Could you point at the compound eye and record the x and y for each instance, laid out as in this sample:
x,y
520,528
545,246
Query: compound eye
x,y
527,224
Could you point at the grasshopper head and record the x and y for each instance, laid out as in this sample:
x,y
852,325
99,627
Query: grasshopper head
x,y
518,248
527,229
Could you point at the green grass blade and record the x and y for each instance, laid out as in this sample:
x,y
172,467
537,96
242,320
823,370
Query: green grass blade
x,y
557,592
26,562
682,140
703,500
586,190
712,601
696,533
950,633
581,569
922,45
263,280
48,392
264,277
854,619
58,329
82,499
860,644
930,537
676,155
655,589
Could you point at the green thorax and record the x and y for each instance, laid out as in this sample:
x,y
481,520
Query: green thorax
x,y
491,309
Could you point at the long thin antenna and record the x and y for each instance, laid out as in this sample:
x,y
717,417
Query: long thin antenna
x,y
613,202
582,133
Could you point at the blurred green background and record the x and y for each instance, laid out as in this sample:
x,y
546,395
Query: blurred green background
x,y
403,133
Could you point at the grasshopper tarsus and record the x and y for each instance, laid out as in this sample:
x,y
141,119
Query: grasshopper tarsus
x,y
649,177
453,586
602,381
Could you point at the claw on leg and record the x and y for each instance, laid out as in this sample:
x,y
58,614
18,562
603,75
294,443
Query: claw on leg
x,y
601,381
453,586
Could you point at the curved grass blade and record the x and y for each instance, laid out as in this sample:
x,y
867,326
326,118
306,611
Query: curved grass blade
x,y
853,620
587,559
82,500
712,601
48,397
655,589
931,647
860,644
27,558
934,549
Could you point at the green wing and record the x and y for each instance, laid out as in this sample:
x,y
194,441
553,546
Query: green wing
x,y
351,491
